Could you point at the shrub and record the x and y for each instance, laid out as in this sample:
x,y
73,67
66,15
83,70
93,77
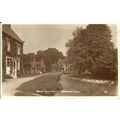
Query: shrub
x,y
8,77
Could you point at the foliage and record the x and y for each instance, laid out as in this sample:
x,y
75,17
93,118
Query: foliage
x,y
51,56
92,49
47,57
8,77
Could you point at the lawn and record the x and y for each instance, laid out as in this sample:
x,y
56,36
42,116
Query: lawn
x,y
46,85
91,88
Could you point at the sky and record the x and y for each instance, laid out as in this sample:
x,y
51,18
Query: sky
x,y
40,37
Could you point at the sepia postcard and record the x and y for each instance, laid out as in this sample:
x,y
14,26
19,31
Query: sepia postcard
x,y
59,60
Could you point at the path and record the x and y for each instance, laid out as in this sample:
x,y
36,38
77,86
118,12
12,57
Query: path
x,y
9,87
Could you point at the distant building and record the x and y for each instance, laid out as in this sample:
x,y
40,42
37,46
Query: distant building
x,y
12,52
37,67
31,66
61,66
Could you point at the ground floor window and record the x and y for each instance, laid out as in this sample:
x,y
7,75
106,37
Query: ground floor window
x,y
9,61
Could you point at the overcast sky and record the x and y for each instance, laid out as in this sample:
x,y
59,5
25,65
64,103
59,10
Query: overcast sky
x,y
41,37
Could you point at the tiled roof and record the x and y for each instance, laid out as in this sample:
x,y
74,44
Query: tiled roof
x,y
11,33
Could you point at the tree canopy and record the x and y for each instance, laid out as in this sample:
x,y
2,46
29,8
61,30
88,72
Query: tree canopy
x,y
51,56
48,56
91,48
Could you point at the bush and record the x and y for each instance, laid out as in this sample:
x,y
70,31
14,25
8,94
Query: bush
x,y
103,73
8,77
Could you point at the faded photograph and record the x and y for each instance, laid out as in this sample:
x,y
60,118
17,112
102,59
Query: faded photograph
x,y
59,60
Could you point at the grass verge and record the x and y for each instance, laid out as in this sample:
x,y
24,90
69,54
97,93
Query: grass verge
x,y
46,85
92,89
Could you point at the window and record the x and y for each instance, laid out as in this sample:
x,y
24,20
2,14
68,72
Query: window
x,y
8,45
8,62
19,50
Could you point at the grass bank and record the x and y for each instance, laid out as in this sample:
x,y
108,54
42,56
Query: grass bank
x,y
46,85
92,88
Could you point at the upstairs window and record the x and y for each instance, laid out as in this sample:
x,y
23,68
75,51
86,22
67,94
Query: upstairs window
x,y
19,50
8,45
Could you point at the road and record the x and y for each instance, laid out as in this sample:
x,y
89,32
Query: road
x,y
72,87
9,87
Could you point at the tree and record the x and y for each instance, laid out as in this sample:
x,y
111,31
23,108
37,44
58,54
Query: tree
x,y
38,56
92,49
31,57
77,49
49,56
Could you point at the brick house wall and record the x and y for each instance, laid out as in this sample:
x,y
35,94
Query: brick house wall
x,y
12,52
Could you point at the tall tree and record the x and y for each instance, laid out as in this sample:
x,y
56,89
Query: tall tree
x,y
50,56
92,49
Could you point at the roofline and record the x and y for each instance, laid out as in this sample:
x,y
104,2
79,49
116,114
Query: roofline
x,y
14,38
11,33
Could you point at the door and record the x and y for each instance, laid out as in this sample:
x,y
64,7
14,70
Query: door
x,y
15,68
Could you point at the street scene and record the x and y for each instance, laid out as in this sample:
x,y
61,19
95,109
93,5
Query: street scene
x,y
59,60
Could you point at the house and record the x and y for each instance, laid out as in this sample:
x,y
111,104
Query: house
x,y
31,65
61,66
12,52
37,67
64,66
